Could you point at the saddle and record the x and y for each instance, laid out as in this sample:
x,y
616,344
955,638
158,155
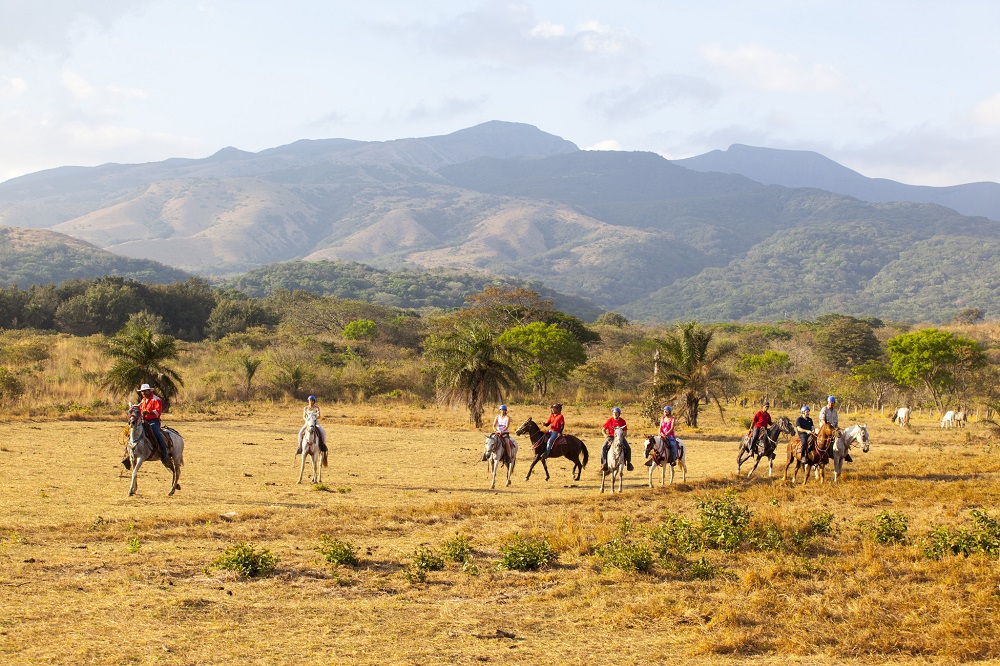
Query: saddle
x,y
560,442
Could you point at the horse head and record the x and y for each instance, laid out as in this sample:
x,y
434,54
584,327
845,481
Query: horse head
x,y
785,425
527,426
619,436
492,444
134,415
865,442
648,445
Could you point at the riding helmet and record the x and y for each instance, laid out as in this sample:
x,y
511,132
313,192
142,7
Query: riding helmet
x,y
616,410
503,408
805,408
668,410
830,398
767,404
312,397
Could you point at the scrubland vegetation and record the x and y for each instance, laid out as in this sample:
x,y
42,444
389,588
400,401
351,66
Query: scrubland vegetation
x,y
405,556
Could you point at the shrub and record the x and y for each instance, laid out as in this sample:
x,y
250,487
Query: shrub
x,y
337,553
725,524
426,559
623,553
675,536
526,554
984,537
457,549
702,569
821,522
133,544
888,527
767,537
246,561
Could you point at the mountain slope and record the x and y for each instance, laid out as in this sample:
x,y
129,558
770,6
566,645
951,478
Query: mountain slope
x,y
800,168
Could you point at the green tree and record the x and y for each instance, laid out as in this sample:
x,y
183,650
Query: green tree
x,y
248,366
611,319
931,358
846,342
767,372
360,329
551,353
690,368
473,367
969,316
140,356
877,377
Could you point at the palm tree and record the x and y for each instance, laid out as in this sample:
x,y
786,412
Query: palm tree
x,y
141,356
474,367
690,369
248,364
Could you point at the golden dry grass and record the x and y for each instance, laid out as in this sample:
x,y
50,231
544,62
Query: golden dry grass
x,y
72,590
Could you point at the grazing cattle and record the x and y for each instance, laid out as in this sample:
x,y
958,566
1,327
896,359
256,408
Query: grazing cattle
x,y
902,417
961,419
949,419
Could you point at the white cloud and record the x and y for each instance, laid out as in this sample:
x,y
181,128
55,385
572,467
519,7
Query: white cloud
x,y
547,30
769,70
12,87
654,94
607,144
79,87
987,112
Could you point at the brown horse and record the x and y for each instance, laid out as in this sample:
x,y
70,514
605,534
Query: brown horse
x,y
567,446
816,458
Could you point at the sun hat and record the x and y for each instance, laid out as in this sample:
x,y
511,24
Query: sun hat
x,y
145,387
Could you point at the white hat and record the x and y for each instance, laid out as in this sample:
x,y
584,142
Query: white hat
x,y
145,387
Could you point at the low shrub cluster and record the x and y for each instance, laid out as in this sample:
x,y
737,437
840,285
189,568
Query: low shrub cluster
x,y
983,537
886,528
337,553
522,554
622,551
246,561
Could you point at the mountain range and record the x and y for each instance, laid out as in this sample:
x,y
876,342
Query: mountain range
x,y
716,237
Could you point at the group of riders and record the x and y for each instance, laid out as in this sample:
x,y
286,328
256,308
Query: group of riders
x,y
556,424
807,431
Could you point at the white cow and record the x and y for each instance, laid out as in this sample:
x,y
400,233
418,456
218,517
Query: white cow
x,y
902,416
949,419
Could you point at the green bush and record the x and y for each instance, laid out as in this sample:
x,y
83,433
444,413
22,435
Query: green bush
x,y
246,561
725,524
675,536
457,549
427,560
523,554
821,522
984,537
623,553
767,537
336,552
702,569
887,528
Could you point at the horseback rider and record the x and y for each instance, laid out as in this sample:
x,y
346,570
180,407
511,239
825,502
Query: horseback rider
x,y
150,407
556,424
501,427
667,433
761,422
616,421
804,426
311,410
828,426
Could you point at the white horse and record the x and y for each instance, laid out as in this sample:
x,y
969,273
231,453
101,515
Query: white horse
x,y
660,451
495,454
961,419
902,417
855,434
142,447
616,461
310,447
949,419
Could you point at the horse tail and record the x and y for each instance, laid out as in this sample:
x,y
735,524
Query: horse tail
x,y
324,458
586,455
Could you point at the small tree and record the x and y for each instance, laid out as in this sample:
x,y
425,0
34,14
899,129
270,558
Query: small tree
x,y
931,358
767,372
141,356
877,377
690,368
846,342
248,368
550,352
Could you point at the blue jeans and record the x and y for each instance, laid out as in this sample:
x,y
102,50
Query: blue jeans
x,y
553,436
672,443
154,425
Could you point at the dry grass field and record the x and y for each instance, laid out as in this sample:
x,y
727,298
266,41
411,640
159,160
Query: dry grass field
x,y
90,576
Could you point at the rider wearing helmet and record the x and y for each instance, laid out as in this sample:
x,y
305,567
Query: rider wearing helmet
x,y
311,409
761,422
828,425
667,433
804,426
556,424
616,421
501,426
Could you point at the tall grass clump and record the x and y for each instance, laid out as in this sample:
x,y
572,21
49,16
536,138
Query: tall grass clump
x,y
337,553
246,561
522,554
983,538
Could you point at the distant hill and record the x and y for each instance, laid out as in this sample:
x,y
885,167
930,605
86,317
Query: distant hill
x,y
35,256
626,231
801,168
403,289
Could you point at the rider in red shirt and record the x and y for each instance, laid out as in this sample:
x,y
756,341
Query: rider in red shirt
x,y
761,422
556,424
151,407
616,421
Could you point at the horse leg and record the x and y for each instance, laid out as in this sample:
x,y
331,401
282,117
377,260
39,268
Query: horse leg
x,y
684,469
651,468
791,459
770,466
533,463
493,468
302,467
135,472
603,475
621,479
546,468
174,477
317,468
754,466
510,470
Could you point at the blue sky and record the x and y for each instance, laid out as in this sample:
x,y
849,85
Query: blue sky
x,y
908,90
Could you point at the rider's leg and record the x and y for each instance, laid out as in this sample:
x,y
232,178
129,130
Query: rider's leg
x,y
553,436
673,450
302,433
604,452
755,444
804,440
154,425
628,455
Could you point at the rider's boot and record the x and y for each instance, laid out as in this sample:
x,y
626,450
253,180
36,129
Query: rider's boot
x,y
847,457
628,459
127,462
604,456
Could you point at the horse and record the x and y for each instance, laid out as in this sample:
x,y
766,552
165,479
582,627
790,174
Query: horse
x,y
616,461
902,417
566,445
853,435
310,447
657,451
782,425
815,458
961,419
495,454
142,446
949,419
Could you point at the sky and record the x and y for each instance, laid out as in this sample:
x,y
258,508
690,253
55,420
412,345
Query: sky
x,y
900,89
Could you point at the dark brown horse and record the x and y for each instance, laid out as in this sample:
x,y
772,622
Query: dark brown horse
x,y
567,445
816,457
